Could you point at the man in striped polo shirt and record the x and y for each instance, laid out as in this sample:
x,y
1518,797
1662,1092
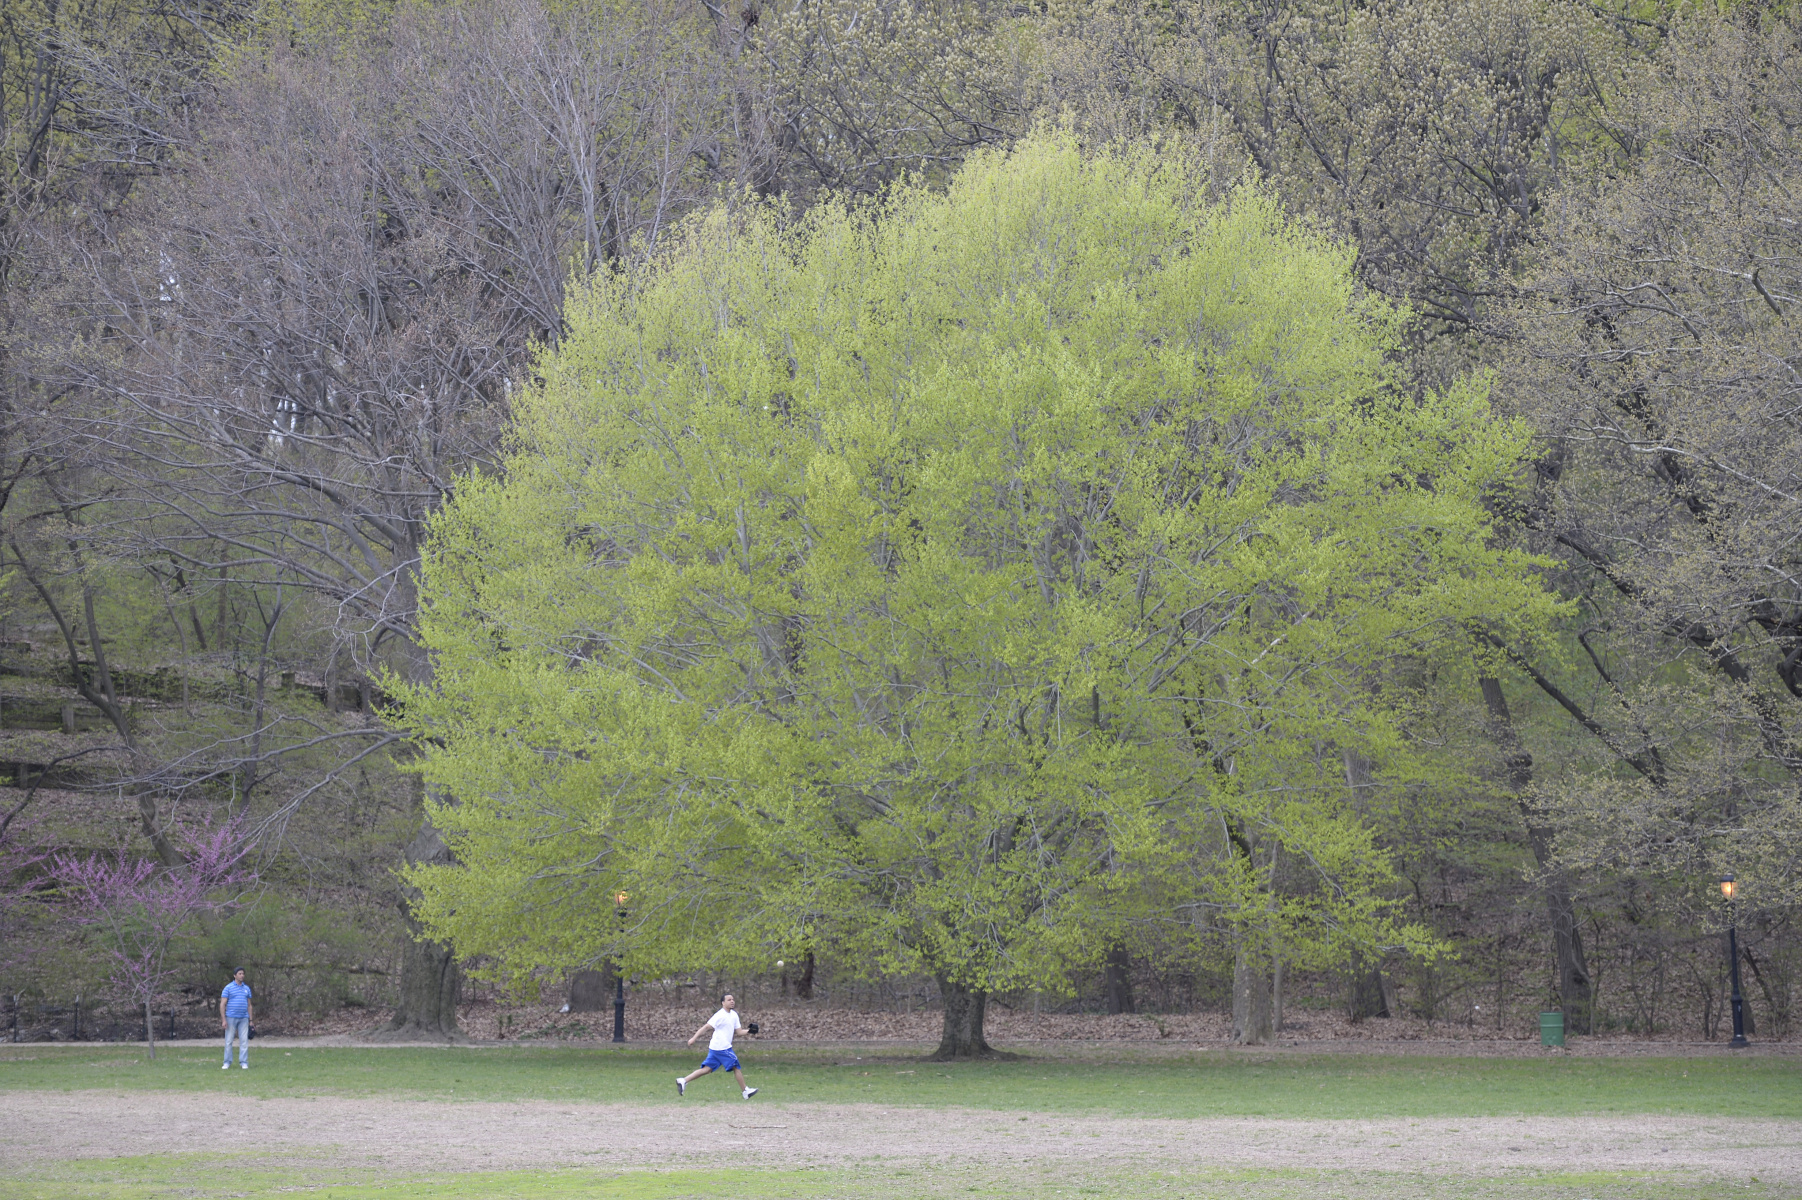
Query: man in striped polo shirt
x,y
234,1015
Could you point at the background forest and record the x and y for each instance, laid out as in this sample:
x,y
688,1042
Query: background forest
x,y
272,276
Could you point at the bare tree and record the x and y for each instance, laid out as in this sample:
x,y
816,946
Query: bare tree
x,y
1425,133
850,95
1142,73
1661,350
307,332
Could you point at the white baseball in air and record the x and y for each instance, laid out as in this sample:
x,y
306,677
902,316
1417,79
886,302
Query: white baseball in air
x,y
778,962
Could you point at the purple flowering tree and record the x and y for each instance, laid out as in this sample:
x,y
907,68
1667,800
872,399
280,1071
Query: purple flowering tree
x,y
25,882
20,876
143,907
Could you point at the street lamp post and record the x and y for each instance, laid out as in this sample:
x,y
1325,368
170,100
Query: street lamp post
x,y
1728,889
619,975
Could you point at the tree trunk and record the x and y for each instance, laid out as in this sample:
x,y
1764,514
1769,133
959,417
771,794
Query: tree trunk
x,y
1276,996
965,1009
1371,994
149,1031
431,984
804,985
592,990
1576,993
1252,1016
1119,982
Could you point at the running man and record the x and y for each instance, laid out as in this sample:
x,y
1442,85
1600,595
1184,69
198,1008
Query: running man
x,y
234,1018
724,1024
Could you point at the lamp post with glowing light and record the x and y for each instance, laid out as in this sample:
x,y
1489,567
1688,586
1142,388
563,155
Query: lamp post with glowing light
x,y
619,974
1728,889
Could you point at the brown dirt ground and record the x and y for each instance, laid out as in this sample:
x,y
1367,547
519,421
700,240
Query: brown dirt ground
x,y
654,1017
1123,1050
402,1136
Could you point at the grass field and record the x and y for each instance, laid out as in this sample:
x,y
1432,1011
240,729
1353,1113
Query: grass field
x,y
1067,1099
1197,1085
213,1176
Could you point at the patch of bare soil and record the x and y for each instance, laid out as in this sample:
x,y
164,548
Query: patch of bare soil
x,y
655,1017
404,1136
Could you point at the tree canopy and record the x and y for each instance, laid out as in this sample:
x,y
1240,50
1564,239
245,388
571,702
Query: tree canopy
x,y
938,579
277,279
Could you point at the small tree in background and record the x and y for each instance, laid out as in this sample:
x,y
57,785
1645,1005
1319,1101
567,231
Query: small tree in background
x,y
19,854
142,907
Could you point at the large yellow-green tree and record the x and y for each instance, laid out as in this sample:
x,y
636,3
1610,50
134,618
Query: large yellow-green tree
x,y
957,582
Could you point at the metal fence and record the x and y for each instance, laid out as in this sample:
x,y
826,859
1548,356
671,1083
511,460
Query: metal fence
x,y
82,1019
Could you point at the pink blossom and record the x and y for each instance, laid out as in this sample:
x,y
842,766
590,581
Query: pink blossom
x,y
142,906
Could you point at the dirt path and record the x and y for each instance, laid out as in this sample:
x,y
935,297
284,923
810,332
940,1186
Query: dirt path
x,y
407,1136
1068,1050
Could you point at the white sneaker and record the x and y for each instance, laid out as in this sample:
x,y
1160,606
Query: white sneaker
x,y
245,1066
749,1092
681,1086
226,1067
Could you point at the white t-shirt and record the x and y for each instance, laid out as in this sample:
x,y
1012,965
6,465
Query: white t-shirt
x,y
725,1024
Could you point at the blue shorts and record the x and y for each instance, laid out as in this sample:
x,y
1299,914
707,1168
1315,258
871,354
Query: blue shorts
x,y
720,1060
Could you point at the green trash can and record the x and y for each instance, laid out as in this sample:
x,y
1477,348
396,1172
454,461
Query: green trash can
x,y
1551,1029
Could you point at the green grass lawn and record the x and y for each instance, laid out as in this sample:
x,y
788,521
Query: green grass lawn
x,y
1198,1085
214,1177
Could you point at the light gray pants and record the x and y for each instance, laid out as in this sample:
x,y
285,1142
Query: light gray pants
x,y
241,1027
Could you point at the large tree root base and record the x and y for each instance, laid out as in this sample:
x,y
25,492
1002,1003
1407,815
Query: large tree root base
x,y
412,1032
986,1054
